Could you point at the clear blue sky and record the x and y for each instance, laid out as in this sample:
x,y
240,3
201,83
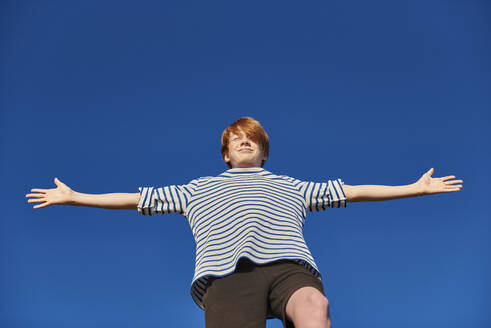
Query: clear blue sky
x,y
112,95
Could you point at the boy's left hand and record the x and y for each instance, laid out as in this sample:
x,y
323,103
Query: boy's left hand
x,y
428,185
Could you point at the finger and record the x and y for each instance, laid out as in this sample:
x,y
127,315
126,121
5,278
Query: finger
x,y
453,188
447,177
36,200
39,190
35,195
41,205
454,182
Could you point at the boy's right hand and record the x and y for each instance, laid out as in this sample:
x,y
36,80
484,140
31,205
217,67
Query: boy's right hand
x,y
62,195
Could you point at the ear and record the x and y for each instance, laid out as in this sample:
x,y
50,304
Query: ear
x,y
226,157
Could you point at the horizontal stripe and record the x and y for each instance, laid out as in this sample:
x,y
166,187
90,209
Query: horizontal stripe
x,y
261,211
245,220
231,241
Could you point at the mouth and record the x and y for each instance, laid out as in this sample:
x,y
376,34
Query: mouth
x,y
245,150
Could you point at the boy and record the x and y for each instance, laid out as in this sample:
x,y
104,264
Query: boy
x,y
252,262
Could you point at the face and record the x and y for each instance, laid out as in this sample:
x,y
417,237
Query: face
x,y
244,152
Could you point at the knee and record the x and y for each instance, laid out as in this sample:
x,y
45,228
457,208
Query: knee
x,y
315,306
318,304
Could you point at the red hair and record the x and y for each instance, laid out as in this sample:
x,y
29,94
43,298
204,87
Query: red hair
x,y
252,129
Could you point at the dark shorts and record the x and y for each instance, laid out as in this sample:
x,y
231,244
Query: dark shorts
x,y
253,293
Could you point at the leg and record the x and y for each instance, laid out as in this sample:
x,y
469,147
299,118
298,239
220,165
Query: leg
x,y
308,307
297,296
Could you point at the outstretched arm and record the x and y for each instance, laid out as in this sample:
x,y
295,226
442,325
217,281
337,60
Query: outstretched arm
x,y
64,195
426,185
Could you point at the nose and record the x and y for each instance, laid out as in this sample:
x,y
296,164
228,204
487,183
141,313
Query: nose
x,y
245,142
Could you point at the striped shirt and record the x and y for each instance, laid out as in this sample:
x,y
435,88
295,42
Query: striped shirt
x,y
243,212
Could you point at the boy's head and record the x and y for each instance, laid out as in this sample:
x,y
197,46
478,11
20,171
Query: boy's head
x,y
245,143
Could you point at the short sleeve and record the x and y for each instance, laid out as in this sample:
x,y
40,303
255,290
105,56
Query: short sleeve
x,y
321,195
163,200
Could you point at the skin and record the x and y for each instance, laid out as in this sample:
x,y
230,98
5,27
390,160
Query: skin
x,y
307,307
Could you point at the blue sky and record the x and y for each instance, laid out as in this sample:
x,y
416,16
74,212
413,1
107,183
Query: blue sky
x,y
109,96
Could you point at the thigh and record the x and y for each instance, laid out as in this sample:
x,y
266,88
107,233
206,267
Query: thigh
x,y
286,278
236,301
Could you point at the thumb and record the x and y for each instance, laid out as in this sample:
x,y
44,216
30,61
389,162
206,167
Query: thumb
x,y
430,172
58,182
